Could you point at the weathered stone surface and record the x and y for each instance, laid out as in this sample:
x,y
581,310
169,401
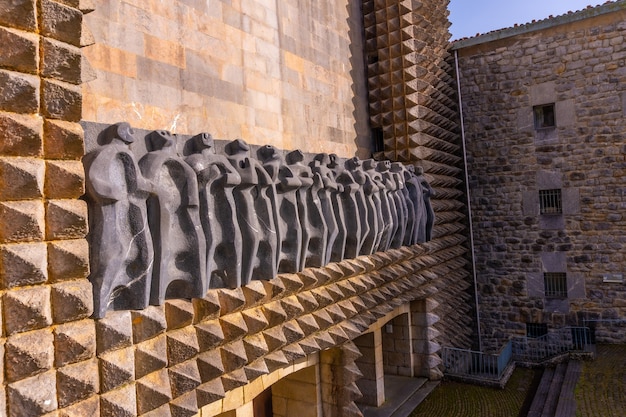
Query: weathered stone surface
x,y
33,396
210,335
68,260
88,407
115,331
206,308
61,100
77,382
21,14
23,264
153,391
119,403
151,356
255,320
74,342
117,368
61,61
178,313
233,326
20,50
148,323
20,135
184,377
27,309
233,355
182,345
210,366
61,22
21,178
66,219
184,406
19,93
63,140
28,354
71,300
64,179
210,392
21,221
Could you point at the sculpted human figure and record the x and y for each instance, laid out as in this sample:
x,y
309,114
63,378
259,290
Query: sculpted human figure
x,y
365,209
314,229
398,168
121,250
397,179
288,220
180,246
255,214
337,170
380,196
390,188
319,165
216,179
428,192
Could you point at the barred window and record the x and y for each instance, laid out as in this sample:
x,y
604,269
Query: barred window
x,y
544,116
555,284
550,202
536,329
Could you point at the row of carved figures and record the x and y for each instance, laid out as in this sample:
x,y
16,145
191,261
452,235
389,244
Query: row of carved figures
x,y
169,226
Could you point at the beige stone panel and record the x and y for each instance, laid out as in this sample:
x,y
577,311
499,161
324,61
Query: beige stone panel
x,y
111,59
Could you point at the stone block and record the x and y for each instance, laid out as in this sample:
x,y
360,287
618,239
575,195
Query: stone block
x,y
66,219
233,356
20,50
33,396
153,391
23,264
63,140
206,308
209,334
77,382
210,366
61,22
184,377
61,61
64,180
255,320
74,342
178,313
27,309
20,135
21,14
150,356
61,100
210,392
231,300
88,407
184,406
114,332
21,178
119,403
182,345
148,323
117,368
233,326
19,92
68,260
28,354
71,300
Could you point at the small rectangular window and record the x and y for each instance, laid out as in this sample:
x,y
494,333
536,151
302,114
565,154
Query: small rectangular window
x,y
544,116
550,202
555,284
536,329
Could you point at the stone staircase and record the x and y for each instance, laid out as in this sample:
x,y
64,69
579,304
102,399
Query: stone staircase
x,y
555,393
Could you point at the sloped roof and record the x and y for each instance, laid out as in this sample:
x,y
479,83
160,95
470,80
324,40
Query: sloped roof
x,y
551,21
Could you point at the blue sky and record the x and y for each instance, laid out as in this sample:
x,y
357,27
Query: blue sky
x,y
469,17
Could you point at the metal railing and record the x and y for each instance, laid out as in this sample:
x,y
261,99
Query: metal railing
x,y
554,343
476,365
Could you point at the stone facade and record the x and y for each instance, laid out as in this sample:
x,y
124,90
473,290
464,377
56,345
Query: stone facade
x,y
236,68
574,64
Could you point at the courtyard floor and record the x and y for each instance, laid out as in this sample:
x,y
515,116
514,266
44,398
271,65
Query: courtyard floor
x,y
600,392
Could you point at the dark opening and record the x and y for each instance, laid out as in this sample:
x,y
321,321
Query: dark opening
x,y
262,404
544,116
377,138
536,329
550,202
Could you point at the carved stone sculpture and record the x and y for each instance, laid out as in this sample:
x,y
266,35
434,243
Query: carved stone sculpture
x,y
218,212
319,166
337,171
289,239
180,248
121,245
428,192
359,212
411,214
381,199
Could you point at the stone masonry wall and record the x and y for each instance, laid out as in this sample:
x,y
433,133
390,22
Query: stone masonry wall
x,y
581,68
286,73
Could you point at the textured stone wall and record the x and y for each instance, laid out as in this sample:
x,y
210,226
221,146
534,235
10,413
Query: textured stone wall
x,y
287,73
580,67
48,342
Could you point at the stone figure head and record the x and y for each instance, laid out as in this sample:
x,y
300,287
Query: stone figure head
x,y
353,163
203,141
397,167
295,157
268,153
237,146
383,166
333,161
369,164
322,159
160,140
119,132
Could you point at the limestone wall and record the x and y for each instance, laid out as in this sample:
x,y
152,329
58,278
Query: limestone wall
x,y
580,67
286,73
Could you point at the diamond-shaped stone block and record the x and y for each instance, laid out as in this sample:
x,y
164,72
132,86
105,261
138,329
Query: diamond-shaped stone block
x,y
27,309
153,391
71,300
21,178
64,179
178,313
23,264
28,354
33,396
150,356
113,332
117,368
21,221
182,345
77,382
148,323
68,259
119,403
74,342
66,219
184,377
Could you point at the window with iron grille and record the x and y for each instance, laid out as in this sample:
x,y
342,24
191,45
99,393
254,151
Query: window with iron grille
x,y
555,284
544,116
550,202
536,329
